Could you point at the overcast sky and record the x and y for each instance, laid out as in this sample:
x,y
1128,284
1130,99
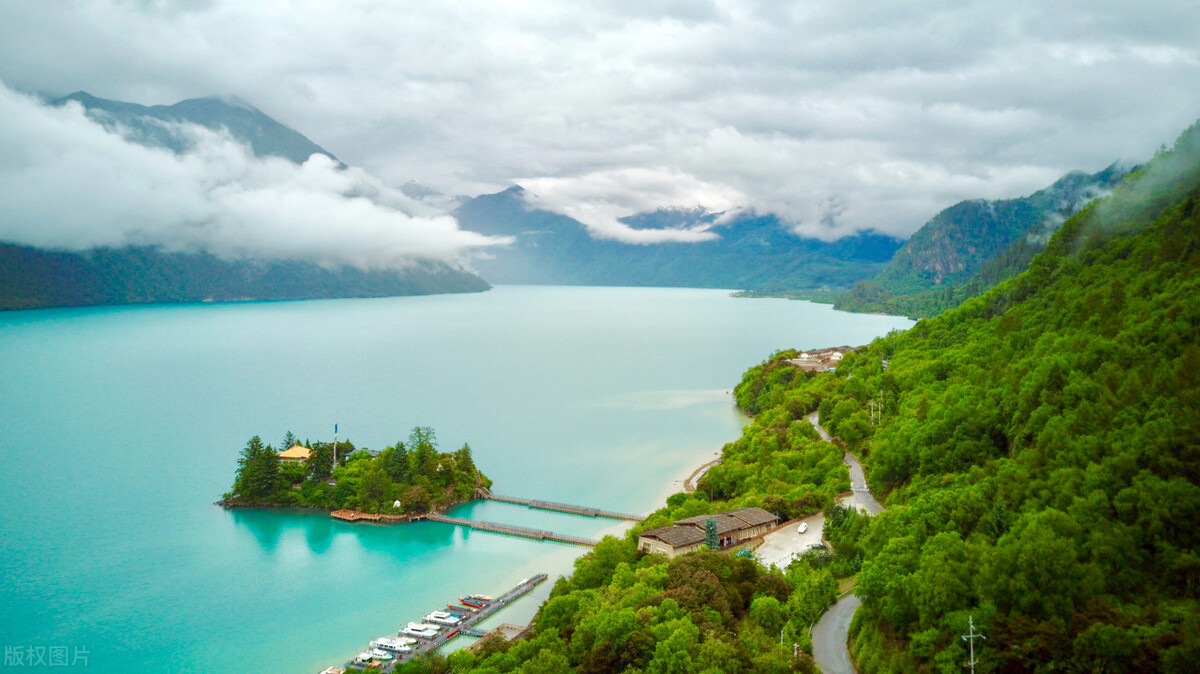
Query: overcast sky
x,y
838,115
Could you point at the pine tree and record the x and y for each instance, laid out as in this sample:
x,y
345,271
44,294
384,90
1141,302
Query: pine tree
x,y
710,534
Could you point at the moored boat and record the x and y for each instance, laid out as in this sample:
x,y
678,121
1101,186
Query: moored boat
x,y
389,644
422,631
473,603
441,618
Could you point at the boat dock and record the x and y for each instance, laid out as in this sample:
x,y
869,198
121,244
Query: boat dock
x,y
465,626
535,534
559,507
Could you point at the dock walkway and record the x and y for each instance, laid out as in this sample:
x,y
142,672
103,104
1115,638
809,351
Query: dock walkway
x,y
535,534
561,507
466,626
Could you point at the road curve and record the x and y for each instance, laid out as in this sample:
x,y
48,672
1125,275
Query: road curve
x,y
831,633
829,637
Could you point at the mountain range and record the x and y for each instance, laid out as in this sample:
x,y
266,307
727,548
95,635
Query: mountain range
x,y
751,252
960,252
158,125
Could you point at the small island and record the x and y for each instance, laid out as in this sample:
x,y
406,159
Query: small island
x,y
404,480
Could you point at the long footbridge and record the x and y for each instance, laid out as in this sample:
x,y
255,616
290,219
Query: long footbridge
x,y
558,507
495,527
536,534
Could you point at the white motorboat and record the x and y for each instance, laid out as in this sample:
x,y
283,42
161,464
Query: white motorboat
x,y
380,654
442,618
414,630
395,645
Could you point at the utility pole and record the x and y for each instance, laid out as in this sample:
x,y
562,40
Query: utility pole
x,y
334,450
970,638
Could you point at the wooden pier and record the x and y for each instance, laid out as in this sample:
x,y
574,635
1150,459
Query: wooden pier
x,y
559,507
354,516
535,534
466,626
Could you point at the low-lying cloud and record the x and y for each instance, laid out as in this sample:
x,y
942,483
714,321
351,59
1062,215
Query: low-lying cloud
x,y
600,199
67,183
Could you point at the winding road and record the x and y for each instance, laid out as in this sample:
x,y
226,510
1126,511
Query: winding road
x,y
831,632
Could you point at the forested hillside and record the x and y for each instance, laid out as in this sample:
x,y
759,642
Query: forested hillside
x,y
973,245
1041,446
31,278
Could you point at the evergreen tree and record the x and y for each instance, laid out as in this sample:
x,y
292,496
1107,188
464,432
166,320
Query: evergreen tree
x,y
289,441
258,472
396,463
423,446
710,534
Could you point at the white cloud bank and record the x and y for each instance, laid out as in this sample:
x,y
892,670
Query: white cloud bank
x,y
601,198
836,114
67,183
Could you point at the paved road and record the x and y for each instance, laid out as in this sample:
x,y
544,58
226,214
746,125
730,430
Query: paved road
x,y
831,632
829,637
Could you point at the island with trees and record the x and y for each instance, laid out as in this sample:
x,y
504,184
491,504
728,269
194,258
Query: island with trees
x,y
406,479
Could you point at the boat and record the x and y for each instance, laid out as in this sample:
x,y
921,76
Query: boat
x,y
473,603
442,618
395,645
363,658
460,610
481,597
416,630
380,654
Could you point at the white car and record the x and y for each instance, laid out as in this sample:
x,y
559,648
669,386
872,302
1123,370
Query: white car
x,y
803,527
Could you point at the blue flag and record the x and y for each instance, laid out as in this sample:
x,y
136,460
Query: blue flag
x,y
335,429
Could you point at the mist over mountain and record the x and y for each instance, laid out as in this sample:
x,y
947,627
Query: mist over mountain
x,y
158,125
113,202
973,245
747,251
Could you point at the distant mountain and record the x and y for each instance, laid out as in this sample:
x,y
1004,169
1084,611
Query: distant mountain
x,y
972,245
31,278
753,252
152,125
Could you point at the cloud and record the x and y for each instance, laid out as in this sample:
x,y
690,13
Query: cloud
x,y
67,183
600,199
840,114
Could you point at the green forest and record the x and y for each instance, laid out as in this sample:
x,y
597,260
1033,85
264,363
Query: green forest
x,y
414,473
1038,450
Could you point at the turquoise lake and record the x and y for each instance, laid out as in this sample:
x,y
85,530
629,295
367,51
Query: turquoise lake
x,y
122,426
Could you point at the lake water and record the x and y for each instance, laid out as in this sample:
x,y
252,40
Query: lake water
x,y
122,425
